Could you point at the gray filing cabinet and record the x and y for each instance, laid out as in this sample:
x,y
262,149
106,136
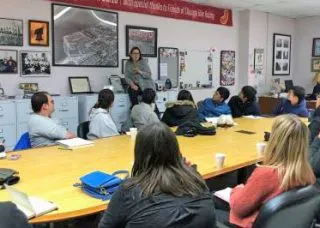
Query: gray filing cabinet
x,y
66,113
120,110
8,123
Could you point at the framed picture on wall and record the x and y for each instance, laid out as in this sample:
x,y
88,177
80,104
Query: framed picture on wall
x,y
316,47
258,58
38,33
315,64
8,61
84,37
281,54
227,68
144,38
35,63
11,32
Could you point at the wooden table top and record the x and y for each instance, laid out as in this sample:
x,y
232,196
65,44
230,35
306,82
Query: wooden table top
x,y
50,172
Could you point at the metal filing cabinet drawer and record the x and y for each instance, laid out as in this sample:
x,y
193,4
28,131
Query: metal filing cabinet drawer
x,y
7,112
65,107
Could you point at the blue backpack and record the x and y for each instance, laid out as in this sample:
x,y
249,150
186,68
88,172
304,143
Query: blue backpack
x,y
101,185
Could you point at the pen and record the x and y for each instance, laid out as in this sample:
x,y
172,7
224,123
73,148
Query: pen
x,y
62,148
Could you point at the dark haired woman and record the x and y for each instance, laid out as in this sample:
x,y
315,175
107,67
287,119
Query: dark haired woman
x,y
101,123
138,75
180,111
163,191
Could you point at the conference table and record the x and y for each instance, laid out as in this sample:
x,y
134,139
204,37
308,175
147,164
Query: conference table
x,y
50,172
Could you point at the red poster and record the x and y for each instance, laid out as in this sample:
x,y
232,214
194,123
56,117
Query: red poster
x,y
164,8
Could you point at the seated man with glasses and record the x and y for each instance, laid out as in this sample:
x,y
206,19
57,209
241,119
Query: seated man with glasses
x,y
42,129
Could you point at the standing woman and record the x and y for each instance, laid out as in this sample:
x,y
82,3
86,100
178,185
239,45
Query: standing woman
x,y
138,75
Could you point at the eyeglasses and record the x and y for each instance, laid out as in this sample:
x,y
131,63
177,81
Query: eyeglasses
x,y
135,53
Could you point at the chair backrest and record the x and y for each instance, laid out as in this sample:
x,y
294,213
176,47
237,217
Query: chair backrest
x,y
199,104
83,129
23,143
295,208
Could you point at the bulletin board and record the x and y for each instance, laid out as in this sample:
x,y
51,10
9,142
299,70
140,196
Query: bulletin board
x,y
168,65
199,67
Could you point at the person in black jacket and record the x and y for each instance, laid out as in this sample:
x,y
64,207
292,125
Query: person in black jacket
x,y
12,217
163,190
314,157
245,104
316,88
182,110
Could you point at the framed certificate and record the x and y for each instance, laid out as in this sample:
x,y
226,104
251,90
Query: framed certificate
x,y
79,85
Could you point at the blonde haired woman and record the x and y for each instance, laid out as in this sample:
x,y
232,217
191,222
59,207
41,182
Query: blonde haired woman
x,y
285,167
316,88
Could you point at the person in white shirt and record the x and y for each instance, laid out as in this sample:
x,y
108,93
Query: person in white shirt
x,y
43,131
101,123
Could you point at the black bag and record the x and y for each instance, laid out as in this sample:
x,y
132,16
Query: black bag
x,y
8,176
191,129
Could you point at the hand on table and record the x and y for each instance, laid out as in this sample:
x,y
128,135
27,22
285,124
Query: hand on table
x,y
70,135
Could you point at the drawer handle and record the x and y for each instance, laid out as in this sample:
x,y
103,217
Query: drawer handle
x,y
63,110
121,106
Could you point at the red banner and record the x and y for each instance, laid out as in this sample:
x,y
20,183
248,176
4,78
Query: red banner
x,y
164,8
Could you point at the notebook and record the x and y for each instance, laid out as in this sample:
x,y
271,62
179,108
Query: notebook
x,y
31,206
224,194
75,143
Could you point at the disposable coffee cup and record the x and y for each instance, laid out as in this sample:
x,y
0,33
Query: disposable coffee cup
x,y
220,157
260,149
133,132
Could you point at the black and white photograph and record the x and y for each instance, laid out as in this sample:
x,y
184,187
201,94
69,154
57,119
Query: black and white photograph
x,y
35,63
144,38
258,58
8,61
11,32
278,66
279,43
281,54
84,37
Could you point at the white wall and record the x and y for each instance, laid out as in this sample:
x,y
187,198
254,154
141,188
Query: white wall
x,y
281,25
306,30
258,29
175,33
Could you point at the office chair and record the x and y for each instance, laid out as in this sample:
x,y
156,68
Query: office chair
x,y
83,129
296,208
23,143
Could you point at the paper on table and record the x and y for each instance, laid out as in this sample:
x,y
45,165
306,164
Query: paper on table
x,y
74,143
253,117
224,194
